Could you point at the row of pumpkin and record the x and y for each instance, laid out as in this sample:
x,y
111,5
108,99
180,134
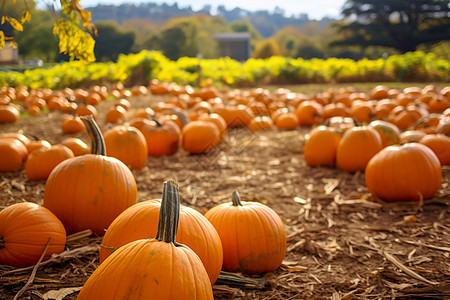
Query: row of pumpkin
x,y
239,236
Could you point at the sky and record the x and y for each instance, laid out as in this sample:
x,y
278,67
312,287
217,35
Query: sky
x,y
316,9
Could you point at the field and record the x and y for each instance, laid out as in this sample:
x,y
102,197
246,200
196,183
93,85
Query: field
x,y
343,243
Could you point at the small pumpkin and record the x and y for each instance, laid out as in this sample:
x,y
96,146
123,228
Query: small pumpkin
x,y
200,137
77,146
72,124
42,161
158,268
127,144
25,230
141,221
309,113
440,144
286,121
389,133
12,154
253,236
33,145
357,146
90,191
405,172
9,113
321,146
162,135
260,123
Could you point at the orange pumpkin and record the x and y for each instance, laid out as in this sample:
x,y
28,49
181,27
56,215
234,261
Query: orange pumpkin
x,y
141,221
216,119
252,234
286,121
33,145
309,113
162,136
357,146
12,154
9,113
440,144
158,268
411,136
77,146
90,191
42,161
389,133
200,137
25,230
405,172
127,144
321,146
72,124
260,123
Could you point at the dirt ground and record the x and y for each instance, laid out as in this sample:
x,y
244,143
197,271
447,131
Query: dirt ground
x,y
342,242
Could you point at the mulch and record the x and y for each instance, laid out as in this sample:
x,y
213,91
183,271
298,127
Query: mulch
x,y
343,243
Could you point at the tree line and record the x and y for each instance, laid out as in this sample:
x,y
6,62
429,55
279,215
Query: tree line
x,y
368,28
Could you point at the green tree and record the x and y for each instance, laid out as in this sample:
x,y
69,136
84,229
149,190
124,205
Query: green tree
x,y
266,48
399,24
71,23
37,41
112,41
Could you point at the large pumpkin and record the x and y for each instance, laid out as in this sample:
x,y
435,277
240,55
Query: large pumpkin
x,y
90,191
357,146
158,268
405,172
25,230
141,221
252,234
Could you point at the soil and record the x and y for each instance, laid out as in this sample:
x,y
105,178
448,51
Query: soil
x,y
343,243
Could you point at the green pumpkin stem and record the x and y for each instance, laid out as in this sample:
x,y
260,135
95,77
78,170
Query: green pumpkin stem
x,y
2,242
169,213
235,199
95,135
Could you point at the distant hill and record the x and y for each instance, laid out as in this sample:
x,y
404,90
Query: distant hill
x,y
267,23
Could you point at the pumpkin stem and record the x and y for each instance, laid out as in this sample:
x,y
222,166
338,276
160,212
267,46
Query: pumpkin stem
x,y
169,213
2,242
95,135
236,199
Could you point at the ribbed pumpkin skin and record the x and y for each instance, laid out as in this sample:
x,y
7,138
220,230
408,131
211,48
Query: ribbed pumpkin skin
x,y
253,237
89,192
127,144
401,172
149,269
41,162
26,228
357,146
141,221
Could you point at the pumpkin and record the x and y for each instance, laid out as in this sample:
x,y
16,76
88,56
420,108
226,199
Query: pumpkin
x,y
440,144
25,230
90,191
309,113
260,123
428,123
86,109
141,221
9,113
286,121
33,145
162,136
158,268
200,137
235,115
42,161
12,154
407,172
321,146
127,144
216,119
341,123
357,146
253,236
389,133
72,124
77,146
16,135
116,114
410,136
334,110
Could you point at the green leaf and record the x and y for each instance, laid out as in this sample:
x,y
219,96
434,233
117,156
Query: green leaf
x,y
14,23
